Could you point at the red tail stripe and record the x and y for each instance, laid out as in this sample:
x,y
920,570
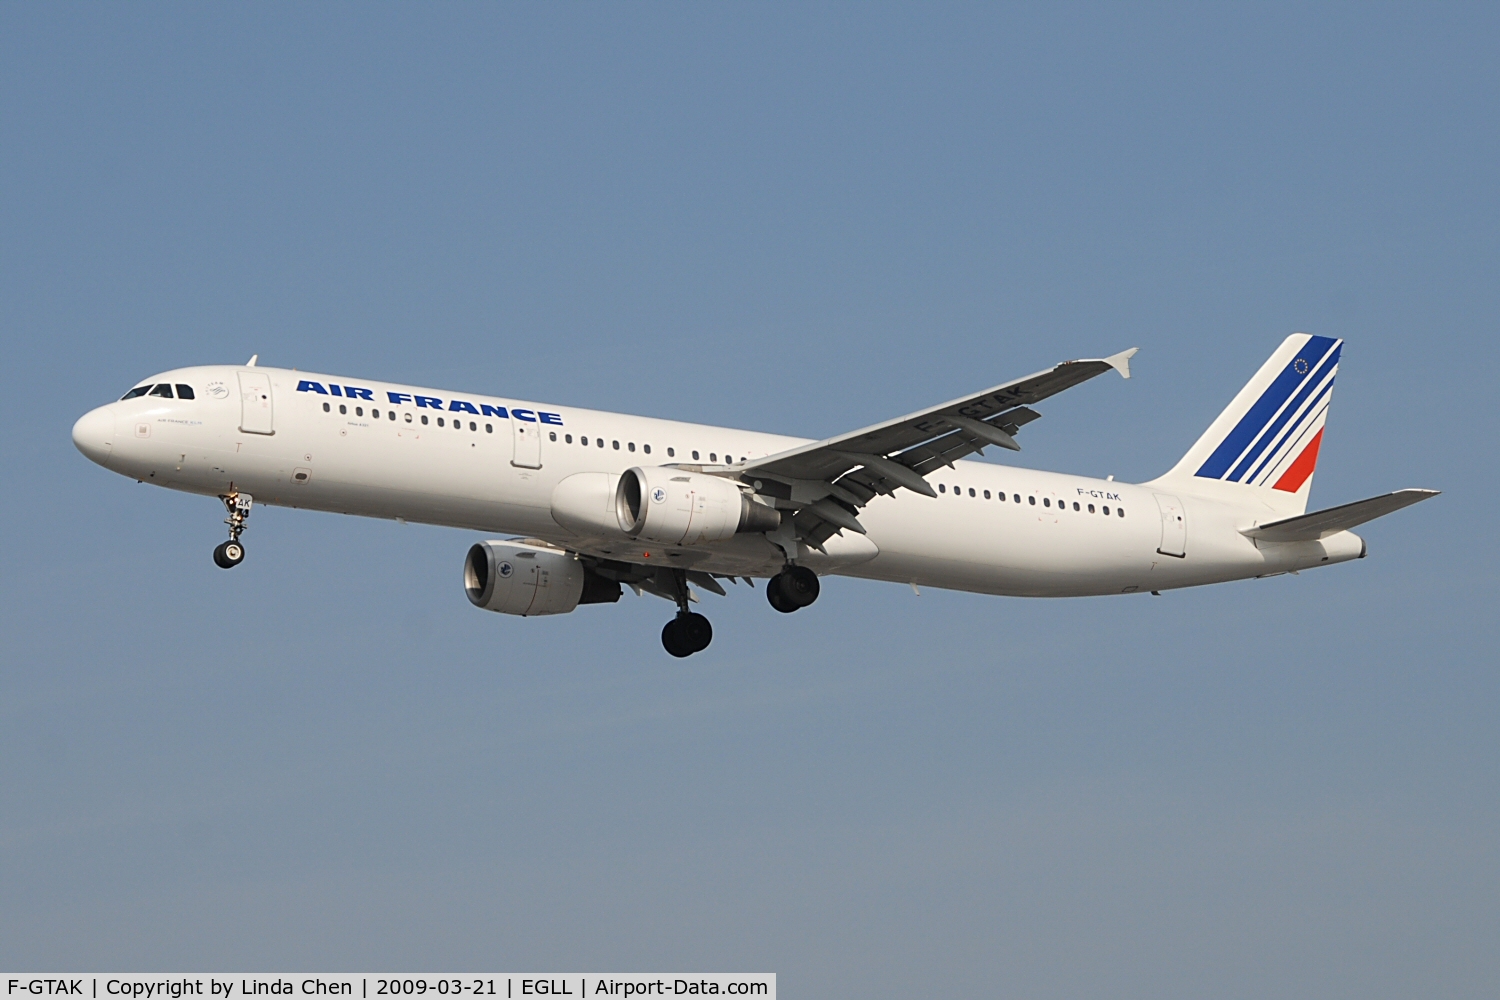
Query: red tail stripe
x,y
1292,479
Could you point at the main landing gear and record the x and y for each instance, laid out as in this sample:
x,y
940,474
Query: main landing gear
x,y
230,554
689,632
794,587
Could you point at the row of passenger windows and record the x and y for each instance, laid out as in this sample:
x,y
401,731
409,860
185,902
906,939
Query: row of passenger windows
x,y
161,389
1046,501
359,411
584,440
598,442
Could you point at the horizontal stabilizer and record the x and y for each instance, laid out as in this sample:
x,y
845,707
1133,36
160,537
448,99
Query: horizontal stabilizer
x,y
1322,523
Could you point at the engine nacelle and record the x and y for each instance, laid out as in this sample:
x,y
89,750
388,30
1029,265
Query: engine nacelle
x,y
516,578
672,507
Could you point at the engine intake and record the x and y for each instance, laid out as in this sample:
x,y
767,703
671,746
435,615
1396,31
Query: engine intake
x,y
672,507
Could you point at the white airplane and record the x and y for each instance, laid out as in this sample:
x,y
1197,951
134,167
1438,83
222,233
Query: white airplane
x,y
598,500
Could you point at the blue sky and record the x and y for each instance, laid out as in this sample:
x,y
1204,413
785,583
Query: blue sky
x,y
800,219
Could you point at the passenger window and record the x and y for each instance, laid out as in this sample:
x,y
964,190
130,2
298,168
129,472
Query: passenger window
x,y
671,452
1046,501
440,422
375,414
567,438
138,391
986,494
617,446
1075,504
326,407
408,418
424,416
184,391
630,446
1106,511
695,456
490,429
584,441
1091,508
599,442
392,414
1031,500
474,427
646,448
345,410
1016,497
713,456
164,390
942,487
552,435
359,411
971,491
1119,512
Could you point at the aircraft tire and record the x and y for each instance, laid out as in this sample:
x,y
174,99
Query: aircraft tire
x,y
695,630
799,585
228,555
778,600
672,640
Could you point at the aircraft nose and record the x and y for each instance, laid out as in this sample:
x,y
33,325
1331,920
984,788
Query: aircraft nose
x,y
94,434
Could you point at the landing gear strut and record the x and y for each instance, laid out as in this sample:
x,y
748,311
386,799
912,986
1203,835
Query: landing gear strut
x,y
689,632
230,554
794,587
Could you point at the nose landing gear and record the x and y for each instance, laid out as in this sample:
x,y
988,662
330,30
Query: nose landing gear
x,y
230,554
794,587
689,632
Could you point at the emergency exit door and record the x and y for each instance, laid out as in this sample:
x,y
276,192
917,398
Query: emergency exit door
x,y
1173,526
255,403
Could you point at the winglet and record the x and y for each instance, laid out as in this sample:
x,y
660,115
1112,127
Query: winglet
x,y
256,357
1121,362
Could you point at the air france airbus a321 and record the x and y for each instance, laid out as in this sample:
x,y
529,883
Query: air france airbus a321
x,y
592,501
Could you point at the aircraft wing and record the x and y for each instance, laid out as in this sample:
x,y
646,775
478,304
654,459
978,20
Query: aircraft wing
x,y
826,482
1322,523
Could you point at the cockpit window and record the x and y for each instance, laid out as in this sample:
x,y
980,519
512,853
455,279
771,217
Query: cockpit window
x,y
139,390
165,389
184,391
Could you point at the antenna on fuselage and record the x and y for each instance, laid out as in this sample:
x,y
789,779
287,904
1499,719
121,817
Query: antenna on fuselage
x,y
251,363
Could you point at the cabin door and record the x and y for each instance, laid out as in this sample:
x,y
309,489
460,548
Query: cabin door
x,y
255,403
1173,526
528,438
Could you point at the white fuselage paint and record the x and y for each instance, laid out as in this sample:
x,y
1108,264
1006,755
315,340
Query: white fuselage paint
x,y
401,468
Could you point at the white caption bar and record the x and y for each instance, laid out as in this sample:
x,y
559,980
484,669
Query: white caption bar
x,y
378,986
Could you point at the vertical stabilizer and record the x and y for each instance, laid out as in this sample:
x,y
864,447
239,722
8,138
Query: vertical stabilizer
x,y
1262,450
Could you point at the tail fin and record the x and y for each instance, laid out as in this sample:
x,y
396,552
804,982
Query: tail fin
x,y
1264,447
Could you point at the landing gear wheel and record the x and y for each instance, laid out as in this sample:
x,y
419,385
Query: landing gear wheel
x,y
229,554
794,587
774,595
687,634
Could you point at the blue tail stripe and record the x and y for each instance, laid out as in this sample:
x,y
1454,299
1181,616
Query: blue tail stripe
x,y
1286,414
1310,413
1260,414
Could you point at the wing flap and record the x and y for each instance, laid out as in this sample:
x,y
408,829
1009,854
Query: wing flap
x,y
1322,523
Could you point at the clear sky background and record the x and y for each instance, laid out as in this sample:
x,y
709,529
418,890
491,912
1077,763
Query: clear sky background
x,y
799,219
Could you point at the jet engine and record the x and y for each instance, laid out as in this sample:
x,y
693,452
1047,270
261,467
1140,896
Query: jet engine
x,y
672,507
518,578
